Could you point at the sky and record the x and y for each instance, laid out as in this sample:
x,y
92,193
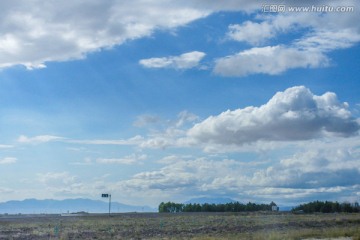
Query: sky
x,y
168,100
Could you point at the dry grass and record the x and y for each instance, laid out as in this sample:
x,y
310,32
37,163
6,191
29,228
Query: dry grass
x,y
199,226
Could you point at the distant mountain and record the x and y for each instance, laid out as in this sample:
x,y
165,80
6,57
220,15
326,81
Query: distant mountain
x,y
30,206
286,208
209,200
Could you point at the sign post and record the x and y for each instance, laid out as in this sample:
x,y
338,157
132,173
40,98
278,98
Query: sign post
x,y
106,195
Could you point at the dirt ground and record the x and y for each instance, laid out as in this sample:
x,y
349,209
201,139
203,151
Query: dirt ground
x,y
181,226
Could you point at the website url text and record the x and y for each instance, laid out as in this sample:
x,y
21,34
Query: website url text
x,y
277,8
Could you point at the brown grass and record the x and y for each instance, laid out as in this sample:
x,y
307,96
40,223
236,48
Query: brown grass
x,y
199,226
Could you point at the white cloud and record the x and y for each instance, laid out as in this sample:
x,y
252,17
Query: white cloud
x,y
49,138
65,184
31,36
128,160
185,117
194,175
86,162
6,191
3,146
328,40
316,167
163,139
145,120
184,61
251,32
268,27
171,132
60,31
131,141
321,33
269,60
295,114
56,179
8,160
39,139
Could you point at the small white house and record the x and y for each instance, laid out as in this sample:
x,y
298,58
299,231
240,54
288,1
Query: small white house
x,y
275,208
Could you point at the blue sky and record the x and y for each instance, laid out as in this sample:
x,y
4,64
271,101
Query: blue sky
x,y
167,101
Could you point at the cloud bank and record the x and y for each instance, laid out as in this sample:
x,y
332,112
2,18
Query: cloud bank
x,y
59,31
317,169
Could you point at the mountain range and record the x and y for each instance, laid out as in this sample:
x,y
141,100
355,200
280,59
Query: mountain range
x,y
35,206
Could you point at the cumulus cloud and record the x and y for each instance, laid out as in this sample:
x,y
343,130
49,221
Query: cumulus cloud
x,y
269,60
295,114
184,61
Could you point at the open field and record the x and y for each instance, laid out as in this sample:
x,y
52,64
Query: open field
x,y
181,226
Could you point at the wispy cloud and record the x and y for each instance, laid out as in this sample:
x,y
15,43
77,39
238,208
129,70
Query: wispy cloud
x,y
184,61
56,178
8,160
39,139
270,60
6,190
4,146
48,138
131,141
86,162
146,120
128,160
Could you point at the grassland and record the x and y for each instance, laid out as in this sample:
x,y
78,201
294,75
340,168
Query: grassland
x,y
198,226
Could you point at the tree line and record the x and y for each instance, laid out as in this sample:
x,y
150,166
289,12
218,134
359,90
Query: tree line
x,y
327,207
207,207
